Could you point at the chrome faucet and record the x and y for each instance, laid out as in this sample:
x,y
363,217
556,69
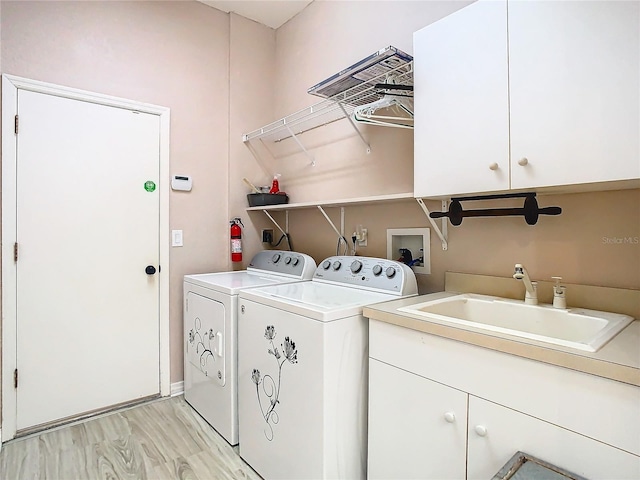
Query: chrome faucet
x,y
531,296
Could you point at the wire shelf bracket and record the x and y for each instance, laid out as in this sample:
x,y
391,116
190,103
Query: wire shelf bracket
x,y
353,124
442,233
341,232
284,232
306,152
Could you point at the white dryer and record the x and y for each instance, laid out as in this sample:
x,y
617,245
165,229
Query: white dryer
x,y
303,368
210,332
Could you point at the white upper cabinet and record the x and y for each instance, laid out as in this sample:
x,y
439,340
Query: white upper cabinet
x,y
574,90
527,94
461,128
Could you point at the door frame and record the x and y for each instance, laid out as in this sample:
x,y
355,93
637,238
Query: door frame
x,y
10,86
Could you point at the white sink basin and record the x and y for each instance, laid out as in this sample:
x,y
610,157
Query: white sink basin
x,y
574,327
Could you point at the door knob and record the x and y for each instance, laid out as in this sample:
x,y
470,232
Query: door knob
x,y
150,270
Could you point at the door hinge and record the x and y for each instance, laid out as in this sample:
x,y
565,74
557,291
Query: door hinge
x,y
15,378
15,252
15,125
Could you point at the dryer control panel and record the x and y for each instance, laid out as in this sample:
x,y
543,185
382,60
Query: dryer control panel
x,y
376,274
283,262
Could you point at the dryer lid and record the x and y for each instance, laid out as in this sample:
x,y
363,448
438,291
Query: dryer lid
x,y
232,282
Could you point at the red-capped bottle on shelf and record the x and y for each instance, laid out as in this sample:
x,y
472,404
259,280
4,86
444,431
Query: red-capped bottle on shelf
x,y
275,184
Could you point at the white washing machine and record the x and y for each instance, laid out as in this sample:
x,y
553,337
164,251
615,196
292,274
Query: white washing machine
x,y
210,332
303,366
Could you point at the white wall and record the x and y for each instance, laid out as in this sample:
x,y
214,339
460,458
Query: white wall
x,y
331,35
174,54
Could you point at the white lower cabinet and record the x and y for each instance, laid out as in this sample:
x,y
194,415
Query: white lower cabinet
x,y
417,427
497,432
420,428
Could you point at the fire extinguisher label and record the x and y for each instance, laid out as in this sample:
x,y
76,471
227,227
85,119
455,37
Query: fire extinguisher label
x,y
236,245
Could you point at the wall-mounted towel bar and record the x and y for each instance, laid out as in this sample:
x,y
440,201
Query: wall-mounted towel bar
x,y
530,211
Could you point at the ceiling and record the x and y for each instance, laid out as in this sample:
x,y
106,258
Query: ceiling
x,y
272,13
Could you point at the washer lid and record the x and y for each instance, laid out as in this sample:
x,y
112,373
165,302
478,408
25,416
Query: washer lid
x,y
232,282
316,300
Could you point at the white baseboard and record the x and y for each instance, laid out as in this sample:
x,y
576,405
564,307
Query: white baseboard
x,y
177,388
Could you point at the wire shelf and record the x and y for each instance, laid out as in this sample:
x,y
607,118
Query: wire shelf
x,y
338,106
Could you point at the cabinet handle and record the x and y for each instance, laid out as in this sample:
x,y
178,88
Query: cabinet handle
x,y
450,417
481,430
523,161
493,166
219,337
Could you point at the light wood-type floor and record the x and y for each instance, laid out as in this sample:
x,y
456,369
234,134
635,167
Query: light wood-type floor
x,y
161,439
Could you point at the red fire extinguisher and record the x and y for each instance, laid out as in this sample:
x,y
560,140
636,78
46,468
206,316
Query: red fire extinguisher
x,y
236,240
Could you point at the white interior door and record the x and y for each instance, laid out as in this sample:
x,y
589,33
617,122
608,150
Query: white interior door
x,y
87,228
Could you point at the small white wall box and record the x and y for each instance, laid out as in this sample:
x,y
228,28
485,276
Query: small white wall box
x,y
181,182
411,246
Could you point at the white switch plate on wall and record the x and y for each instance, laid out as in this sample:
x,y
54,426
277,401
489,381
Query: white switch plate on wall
x,y
176,238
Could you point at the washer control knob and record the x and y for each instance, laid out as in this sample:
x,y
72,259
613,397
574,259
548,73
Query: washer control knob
x,y
390,272
296,261
356,266
337,265
377,270
287,260
275,258
326,264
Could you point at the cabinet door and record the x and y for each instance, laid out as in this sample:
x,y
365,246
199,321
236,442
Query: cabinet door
x,y
461,102
508,431
574,91
417,427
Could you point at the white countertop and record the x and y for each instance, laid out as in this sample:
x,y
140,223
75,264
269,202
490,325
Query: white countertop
x,y
618,360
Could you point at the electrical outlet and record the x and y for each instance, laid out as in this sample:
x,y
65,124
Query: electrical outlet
x,y
267,236
361,237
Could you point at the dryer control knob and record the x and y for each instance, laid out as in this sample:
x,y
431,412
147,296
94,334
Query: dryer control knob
x,y
326,264
390,272
296,261
275,258
337,265
356,266
377,270
287,260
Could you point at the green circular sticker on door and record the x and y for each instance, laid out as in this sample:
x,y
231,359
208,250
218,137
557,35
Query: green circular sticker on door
x,y
149,186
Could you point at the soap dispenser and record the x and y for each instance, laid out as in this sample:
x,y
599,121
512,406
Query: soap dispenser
x,y
559,298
